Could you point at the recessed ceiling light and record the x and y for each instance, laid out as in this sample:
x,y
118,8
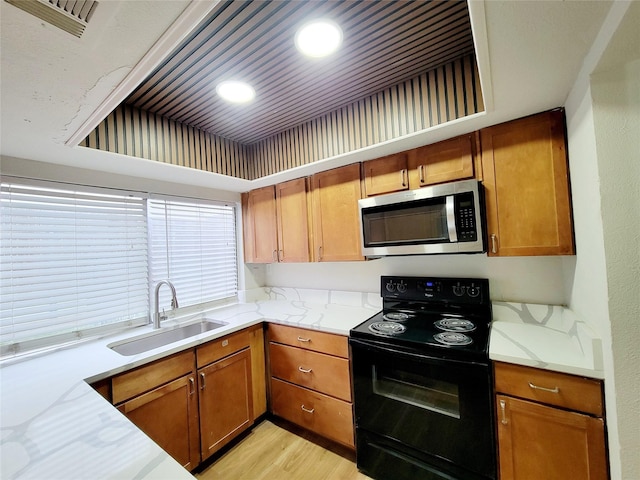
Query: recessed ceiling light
x,y
236,92
318,38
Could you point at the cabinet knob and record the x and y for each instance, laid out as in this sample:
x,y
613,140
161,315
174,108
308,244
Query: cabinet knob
x,y
202,383
421,173
192,386
494,243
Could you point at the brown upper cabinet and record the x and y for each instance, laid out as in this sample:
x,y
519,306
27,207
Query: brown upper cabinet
x,y
260,229
440,162
293,223
526,185
276,226
385,175
336,228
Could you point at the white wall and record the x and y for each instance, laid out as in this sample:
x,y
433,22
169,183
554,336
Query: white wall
x,y
604,278
519,279
616,107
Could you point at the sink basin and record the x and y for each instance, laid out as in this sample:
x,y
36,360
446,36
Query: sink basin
x,y
150,341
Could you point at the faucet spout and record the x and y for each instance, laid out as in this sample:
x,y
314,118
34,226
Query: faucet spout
x,y
157,317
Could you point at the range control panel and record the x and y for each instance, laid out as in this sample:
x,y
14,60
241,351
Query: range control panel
x,y
473,291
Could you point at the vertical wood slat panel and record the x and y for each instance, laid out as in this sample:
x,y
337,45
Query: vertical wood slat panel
x,y
444,94
137,133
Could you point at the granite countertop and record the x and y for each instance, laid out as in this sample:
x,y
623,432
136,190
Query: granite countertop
x,y
54,425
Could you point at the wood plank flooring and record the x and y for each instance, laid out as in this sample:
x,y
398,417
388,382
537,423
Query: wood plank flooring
x,y
271,452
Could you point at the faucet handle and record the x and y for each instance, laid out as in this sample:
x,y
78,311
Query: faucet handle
x,y
163,316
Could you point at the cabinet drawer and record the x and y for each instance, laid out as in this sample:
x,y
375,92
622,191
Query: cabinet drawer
x,y
221,347
317,371
143,379
310,340
314,411
559,389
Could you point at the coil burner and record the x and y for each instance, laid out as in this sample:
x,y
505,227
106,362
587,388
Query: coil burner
x,y
453,339
396,316
450,324
387,328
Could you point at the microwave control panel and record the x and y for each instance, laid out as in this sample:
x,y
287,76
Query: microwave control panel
x,y
465,217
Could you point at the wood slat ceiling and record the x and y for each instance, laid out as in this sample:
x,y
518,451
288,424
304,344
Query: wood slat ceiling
x,y
384,43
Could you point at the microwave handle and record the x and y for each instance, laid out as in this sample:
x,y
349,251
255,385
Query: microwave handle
x,y
451,218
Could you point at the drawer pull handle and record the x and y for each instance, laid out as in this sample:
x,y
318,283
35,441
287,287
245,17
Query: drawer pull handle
x,y
503,413
494,247
202,384
300,339
304,370
306,409
550,390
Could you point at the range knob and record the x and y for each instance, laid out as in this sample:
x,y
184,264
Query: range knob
x,y
390,286
402,287
458,290
473,291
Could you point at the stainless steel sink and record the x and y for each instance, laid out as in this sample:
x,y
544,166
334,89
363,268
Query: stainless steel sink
x,y
150,341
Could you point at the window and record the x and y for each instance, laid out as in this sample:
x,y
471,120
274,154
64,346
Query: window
x,y
194,246
71,263
75,262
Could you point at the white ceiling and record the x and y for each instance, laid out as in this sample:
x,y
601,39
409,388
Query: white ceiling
x,y
53,85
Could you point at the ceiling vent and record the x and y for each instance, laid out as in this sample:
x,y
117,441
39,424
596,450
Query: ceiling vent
x,y
70,15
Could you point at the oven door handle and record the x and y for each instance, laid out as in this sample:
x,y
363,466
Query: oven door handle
x,y
398,352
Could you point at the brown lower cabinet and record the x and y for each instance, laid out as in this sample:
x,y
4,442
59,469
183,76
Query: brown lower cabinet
x,y
226,404
311,381
550,425
176,404
196,401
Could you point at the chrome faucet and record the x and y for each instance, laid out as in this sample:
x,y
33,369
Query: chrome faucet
x,y
174,302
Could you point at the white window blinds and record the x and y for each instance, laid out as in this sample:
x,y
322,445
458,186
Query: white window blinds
x,y
72,263
193,244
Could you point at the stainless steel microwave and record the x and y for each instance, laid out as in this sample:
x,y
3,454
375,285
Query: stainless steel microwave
x,y
445,218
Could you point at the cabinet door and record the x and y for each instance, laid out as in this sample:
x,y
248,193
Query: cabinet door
x,y
441,162
226,404
293,225
336,228
261,243
386,174
527,187
169,416
537,441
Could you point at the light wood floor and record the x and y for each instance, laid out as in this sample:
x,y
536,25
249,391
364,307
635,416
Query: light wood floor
x,y
271,452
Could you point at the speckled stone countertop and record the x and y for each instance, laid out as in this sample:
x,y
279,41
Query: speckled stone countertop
x,y
544,336
53,425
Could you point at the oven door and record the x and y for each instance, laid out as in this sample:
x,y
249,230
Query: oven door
x,y
441,409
